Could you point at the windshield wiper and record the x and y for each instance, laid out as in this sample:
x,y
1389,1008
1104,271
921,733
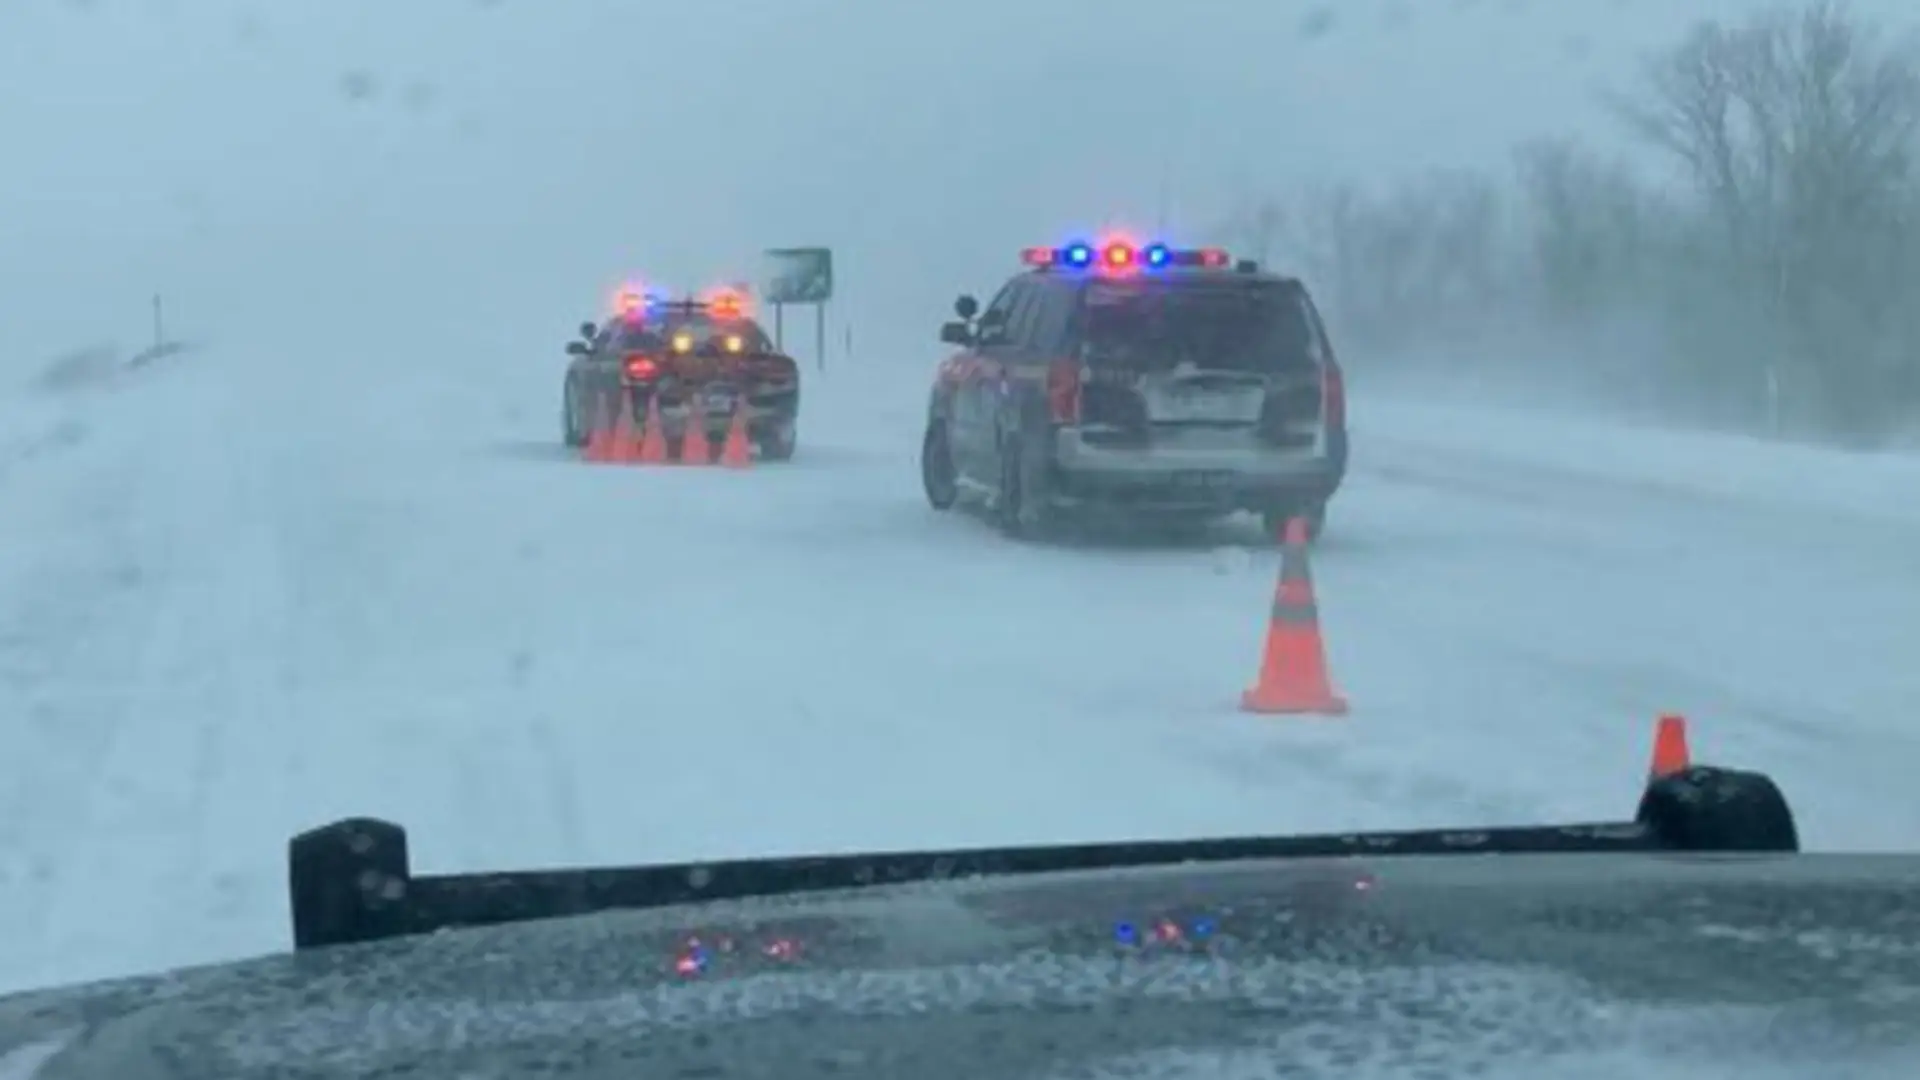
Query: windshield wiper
x,y
351,881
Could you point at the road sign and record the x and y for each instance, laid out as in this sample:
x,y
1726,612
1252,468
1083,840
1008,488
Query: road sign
x,y
798,276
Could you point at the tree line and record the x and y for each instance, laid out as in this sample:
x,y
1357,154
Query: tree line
x,y
1767,280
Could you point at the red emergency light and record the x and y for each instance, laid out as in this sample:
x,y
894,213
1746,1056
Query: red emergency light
x,y
727,304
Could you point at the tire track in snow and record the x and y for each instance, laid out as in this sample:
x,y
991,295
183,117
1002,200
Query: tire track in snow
x,y
69,626
399,634
1782,631
84,589
148,876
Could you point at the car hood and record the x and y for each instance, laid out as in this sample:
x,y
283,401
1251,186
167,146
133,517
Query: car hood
x,y
1534,966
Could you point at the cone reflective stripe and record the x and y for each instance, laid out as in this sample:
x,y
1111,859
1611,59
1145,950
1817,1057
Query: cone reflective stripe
x,y
1293,600
653,439
1293,605
1293,669
1293,555
737,451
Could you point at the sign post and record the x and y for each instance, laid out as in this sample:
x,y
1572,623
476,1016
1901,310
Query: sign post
x,y
800,276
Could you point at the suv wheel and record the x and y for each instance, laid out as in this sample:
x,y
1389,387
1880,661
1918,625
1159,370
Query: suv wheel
x,y
938,477
573,432
1011,511
780,445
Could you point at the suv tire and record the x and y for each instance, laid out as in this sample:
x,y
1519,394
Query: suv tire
x,y
938,477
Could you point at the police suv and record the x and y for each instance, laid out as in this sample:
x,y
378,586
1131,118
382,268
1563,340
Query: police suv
x,y
1137,381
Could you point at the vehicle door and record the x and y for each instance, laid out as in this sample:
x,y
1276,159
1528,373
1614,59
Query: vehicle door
x,y
1042,334
596,367
974,370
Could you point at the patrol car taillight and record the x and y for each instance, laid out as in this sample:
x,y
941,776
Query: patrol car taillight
x,y
1063,391
640,368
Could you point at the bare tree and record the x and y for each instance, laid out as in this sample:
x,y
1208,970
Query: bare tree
x,y
1327,223
1782,271
1588,222
1797,131
1392,265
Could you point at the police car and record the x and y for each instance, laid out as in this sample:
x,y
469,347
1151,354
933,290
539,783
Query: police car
x,y
1137,380
707,352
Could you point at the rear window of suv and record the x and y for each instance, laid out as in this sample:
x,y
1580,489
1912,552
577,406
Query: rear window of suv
x,y
706,328
1263,326
652,334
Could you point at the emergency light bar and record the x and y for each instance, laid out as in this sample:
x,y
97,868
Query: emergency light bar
x,y
723,305
695,307
638,302
1119,255
680,307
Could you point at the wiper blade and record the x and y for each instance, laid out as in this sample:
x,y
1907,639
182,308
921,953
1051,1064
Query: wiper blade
x,y
351,881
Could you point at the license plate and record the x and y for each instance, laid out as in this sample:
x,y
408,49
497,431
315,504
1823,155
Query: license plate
x,y
1202,480
717,401
1203,405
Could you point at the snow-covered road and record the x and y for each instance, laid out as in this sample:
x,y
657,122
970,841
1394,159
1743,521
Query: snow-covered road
x,y
237,599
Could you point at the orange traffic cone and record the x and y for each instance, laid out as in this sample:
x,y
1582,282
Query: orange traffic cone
x,y
600,439
1293,671
1670,754
653,440
626,441
695,447
737,451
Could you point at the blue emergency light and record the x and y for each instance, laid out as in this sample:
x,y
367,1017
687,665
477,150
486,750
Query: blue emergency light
x,y
1119,256
636,303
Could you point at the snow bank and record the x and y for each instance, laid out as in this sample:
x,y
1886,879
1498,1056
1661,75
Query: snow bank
x,y
1712,466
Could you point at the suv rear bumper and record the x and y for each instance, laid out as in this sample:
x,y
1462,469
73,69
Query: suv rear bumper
x,y
1219,475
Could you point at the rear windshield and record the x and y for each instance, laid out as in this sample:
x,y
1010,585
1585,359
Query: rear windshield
x,y
653,334
1154,326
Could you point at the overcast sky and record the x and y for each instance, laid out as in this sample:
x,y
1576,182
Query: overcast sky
x,y
354,163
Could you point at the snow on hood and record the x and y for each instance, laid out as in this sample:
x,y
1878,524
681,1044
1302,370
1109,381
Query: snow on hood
x,y
1296,1019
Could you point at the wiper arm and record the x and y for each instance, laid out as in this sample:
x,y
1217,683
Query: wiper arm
x,y
351,881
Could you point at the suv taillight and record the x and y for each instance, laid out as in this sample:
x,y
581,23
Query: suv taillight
x,y
639,368
1063,391
1333,396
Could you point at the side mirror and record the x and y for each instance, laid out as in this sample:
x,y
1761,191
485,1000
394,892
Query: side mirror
x,y
966,307
588,330
956,333
577,348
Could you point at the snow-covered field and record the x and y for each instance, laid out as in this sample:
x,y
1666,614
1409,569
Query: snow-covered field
x,y
239,598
